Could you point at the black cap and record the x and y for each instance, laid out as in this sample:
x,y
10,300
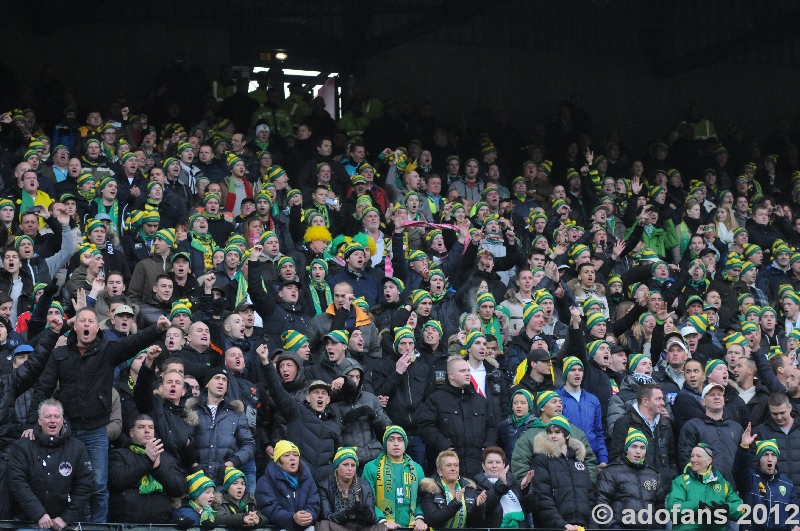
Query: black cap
x,y
705,252
245,306
289,283
616,348
538,354
213,371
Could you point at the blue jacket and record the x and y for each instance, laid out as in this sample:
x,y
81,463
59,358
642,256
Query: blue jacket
x,y
758,488
507,434
588,416
364,285
279,501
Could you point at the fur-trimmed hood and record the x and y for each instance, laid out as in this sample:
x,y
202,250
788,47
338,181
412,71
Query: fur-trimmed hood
x,y
543,445
434,485
194,404
189,416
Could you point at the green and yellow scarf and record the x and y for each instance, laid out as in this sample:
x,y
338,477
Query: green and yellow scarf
x,y
384,484
459,520
148,484
207,514
316,286
205,244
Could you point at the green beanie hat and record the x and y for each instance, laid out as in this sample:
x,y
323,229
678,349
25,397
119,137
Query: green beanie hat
x,y
402,332
633,361
394,429
231,473
197,483
560,421
713,364
569,363
633,436
544,397
293,340
767,445
345,452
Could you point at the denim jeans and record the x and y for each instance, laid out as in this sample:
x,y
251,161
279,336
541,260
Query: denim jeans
x,y
96,443
249,471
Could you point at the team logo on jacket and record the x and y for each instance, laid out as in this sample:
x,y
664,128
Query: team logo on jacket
x,y
65,469
717,487
579,466
651,485
783,490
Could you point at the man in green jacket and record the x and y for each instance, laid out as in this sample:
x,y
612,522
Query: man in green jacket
x,y
394,478
549,405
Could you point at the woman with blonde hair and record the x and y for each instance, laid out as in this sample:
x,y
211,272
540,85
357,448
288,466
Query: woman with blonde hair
x,y
726,223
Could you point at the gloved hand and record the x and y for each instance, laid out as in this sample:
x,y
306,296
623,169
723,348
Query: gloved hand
x,y
351,514
50,290
703,505
208,524
218,306
371,415
365,515
352,416
184,523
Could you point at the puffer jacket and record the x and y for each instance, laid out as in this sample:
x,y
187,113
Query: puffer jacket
x,y
619,402
226,438
721,435
629,486
563,485
126,503
789,444
448,312
150,310
317,436
360,432
438,511
457,418
173,423
279,501
662,452
525,450
758,488
406,391
328,492
50,475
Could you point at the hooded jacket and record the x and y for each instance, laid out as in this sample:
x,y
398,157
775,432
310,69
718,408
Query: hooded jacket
x,y
278,315
587,416
144,276
126,503
226,437
318,436
438,511
458,418
563,484
625,485
50,475
524,451
360,431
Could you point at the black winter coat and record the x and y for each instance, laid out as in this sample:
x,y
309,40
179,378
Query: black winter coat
x,y
17,382
789,445
563,485
625,485
366,500
50,475
278,316
174,425
126,503
721,435
406,391
438,511
85,380
317,437
457,418
662,452
279,501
